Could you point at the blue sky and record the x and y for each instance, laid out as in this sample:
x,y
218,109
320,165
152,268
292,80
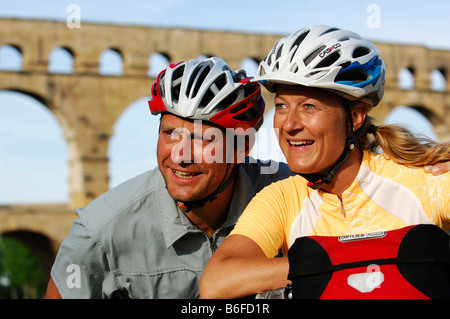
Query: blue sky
x,y
420,22
33,154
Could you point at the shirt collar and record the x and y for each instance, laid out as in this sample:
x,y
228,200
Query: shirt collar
x,y
175,224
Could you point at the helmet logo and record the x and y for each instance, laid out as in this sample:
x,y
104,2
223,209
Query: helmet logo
x,y
328,50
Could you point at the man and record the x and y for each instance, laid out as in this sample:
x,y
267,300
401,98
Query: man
x,y
152,236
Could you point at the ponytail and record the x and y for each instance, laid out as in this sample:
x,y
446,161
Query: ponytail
x,y
400,145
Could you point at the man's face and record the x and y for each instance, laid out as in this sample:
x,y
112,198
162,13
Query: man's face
x,y
191,157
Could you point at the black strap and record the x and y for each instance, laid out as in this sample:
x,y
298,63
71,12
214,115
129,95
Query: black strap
x,y
364,263
188,206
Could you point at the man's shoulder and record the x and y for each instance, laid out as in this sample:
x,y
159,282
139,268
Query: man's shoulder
x,y
268,168
121,199
261,173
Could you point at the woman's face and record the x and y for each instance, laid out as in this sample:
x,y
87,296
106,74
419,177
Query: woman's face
x,y
311,125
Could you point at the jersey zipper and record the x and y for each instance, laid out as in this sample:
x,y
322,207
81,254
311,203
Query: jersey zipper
x,y
342,208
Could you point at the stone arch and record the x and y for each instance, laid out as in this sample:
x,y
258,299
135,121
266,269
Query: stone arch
x,y
61,60
10,58
406,78
110,62
427,112
38,243
132,148
157,62
416,118
31,152
28,260
438,79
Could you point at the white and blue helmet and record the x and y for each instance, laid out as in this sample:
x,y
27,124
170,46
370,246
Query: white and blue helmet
x,y
329,58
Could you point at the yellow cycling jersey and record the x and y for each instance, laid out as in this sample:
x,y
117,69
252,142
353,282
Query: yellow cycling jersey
x,y
384,196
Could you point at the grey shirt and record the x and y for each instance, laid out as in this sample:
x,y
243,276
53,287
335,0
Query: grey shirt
x,y
135,242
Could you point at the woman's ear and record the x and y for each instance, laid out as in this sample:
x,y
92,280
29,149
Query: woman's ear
x,y
359,113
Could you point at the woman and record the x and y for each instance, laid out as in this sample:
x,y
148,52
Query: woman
x,y
326,80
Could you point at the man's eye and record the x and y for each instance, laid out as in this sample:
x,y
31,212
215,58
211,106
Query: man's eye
x,y
203,140
168,132
280,105
309,106
171,134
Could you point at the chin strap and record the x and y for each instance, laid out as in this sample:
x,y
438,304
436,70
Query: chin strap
x,y
188,206
315,181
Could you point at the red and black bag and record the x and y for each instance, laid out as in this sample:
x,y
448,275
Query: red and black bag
x,y
412,262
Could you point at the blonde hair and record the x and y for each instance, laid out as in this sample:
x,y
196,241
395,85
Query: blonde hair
x,y
400,145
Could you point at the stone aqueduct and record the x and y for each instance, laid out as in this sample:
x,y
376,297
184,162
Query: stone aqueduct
x,y
87,104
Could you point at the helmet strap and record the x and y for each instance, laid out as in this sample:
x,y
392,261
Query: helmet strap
x,y
186,207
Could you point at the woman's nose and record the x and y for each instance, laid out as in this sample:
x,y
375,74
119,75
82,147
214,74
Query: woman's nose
x,y
291,122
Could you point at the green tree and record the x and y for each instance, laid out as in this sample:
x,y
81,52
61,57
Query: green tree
x,y
21,273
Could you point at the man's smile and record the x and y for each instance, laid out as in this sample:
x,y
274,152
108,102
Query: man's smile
x,y
184,174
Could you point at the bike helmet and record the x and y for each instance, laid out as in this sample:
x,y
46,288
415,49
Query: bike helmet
x,y
329,58
209,90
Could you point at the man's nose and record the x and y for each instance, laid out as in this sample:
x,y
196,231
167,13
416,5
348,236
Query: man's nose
x,y
183,151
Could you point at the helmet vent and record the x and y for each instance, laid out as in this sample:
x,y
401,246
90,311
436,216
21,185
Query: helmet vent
x,y
248,115
238,76
279,52
220,82
355,75
316,74
313,54
276,67
294,68
269,58
199,80
206,99
261,71
214,89
297,43
360,51
329,60
162,89
344,65
229,100
329,30
176,84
